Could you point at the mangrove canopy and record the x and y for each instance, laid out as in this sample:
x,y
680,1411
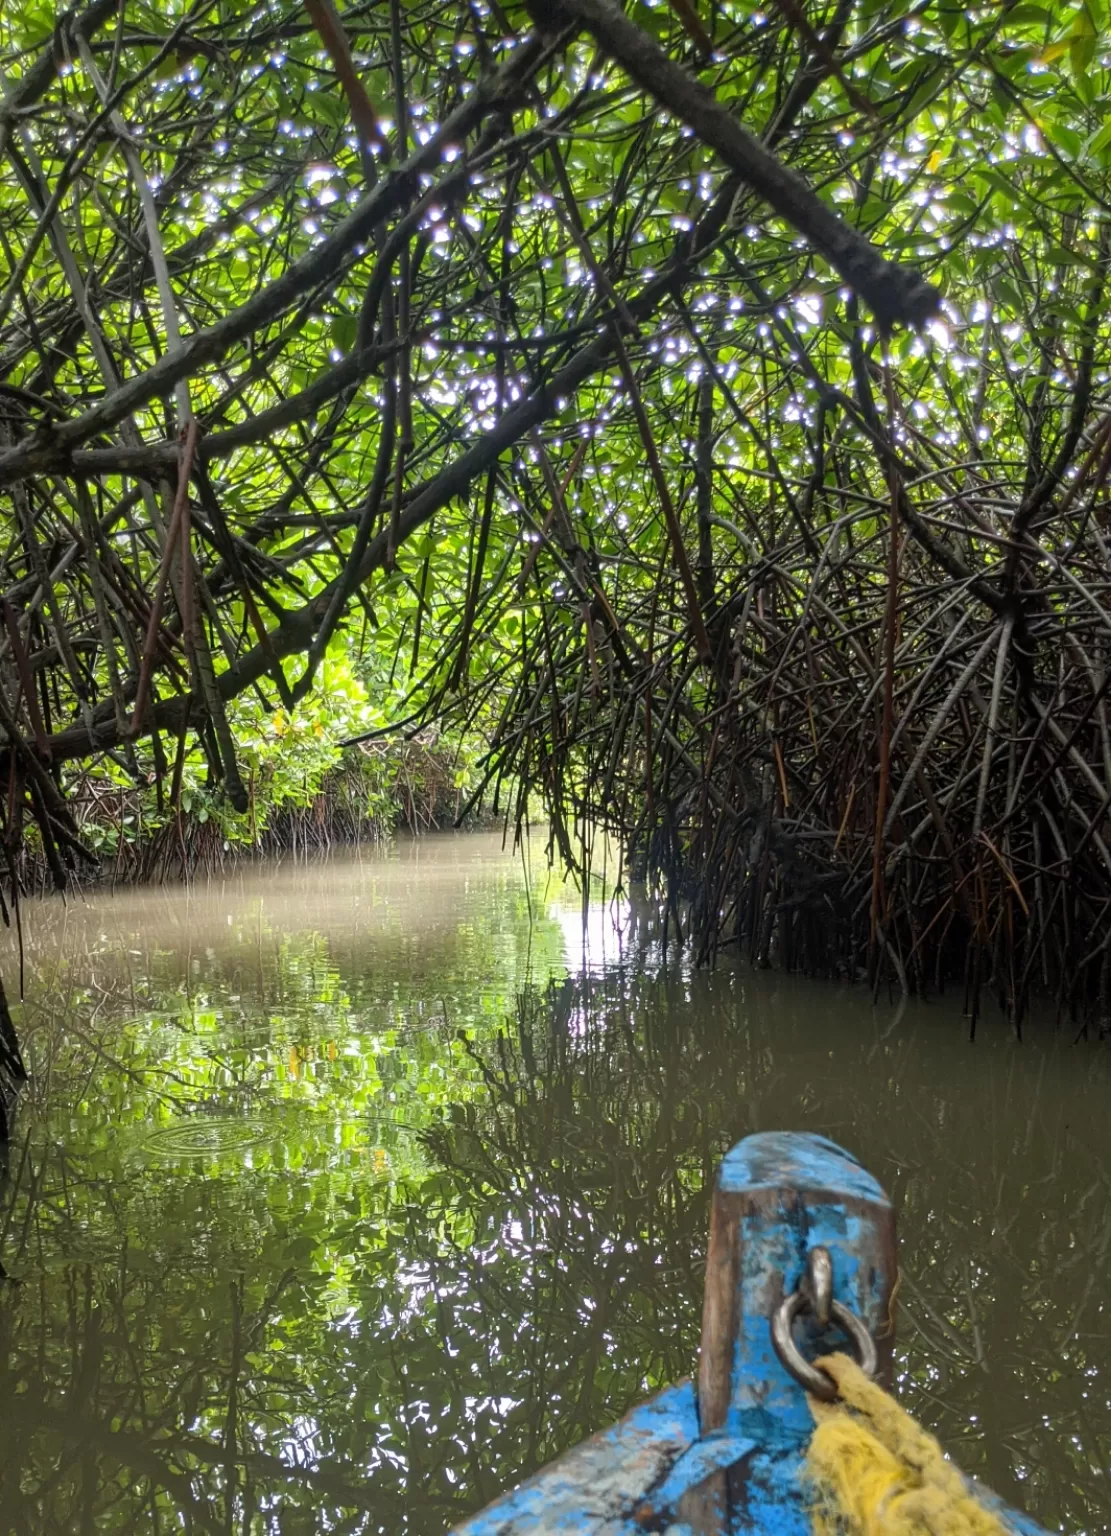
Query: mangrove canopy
x,y
702,409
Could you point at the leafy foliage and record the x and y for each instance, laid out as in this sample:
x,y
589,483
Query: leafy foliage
x,y
457,348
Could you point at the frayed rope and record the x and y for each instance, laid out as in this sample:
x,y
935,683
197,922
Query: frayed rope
x,y
874,1472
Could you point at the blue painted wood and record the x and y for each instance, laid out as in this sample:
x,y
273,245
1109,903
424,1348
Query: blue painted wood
x,y
598,1486
715,1452
777,1196
728,1460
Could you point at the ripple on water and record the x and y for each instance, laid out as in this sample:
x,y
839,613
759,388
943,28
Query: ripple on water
x,y
205,1135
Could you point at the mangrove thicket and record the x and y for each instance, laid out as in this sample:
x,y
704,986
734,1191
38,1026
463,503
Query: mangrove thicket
x,y
696,412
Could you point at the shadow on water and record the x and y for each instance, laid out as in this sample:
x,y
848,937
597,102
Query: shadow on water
x,y
346,1196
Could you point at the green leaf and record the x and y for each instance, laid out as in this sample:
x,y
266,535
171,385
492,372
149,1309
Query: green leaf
x,y
344,330
1100,142
1025,14
1064,137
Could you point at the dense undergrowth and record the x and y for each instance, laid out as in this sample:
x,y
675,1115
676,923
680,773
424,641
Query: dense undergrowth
x,y
368,795
363,794
306,793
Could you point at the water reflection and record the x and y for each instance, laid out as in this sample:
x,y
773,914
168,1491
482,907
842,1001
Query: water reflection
x,y
348,1195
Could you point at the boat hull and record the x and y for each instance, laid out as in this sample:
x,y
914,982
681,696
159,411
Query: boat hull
x,y
727,1455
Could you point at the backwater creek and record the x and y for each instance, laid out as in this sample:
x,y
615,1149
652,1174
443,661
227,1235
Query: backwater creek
x,y
347,1193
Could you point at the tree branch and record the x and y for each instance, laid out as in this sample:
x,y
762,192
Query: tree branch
x,y
897,295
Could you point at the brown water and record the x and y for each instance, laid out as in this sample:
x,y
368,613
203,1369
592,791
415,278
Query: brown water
x,y
346,1195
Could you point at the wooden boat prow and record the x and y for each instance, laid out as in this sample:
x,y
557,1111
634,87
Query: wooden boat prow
x,y
726,1456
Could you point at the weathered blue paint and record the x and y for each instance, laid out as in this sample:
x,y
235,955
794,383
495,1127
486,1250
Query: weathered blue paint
x,y
598,1486
774,1246
784,1193
715,1452
795,1160
793,1193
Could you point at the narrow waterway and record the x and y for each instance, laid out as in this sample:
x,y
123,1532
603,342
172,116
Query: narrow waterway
x,y
347,1194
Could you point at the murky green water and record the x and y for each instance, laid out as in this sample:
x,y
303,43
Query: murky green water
x,y
347,1195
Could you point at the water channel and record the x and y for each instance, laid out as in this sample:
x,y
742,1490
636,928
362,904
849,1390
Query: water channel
x,y
346,1194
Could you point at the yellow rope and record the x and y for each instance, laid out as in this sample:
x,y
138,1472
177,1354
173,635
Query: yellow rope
x,y
874,1472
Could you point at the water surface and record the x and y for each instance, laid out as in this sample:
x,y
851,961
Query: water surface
x,y
347,1194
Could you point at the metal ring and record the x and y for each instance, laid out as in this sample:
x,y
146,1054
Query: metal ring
x,y
810,1376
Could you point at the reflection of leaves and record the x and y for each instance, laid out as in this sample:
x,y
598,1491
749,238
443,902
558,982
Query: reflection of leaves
x,y
391,1326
